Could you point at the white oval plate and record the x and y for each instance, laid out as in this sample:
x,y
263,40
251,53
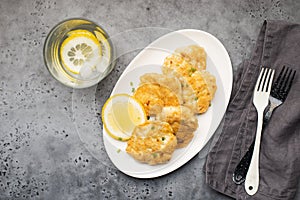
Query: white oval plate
x,y
150,60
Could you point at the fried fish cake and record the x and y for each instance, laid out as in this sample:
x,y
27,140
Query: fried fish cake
x,y
201,81
210,81
202,90
152,142
194,54
179,64
170,82
188,96
183,122
184,138
154,97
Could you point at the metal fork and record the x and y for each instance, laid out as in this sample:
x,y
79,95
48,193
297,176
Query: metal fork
x,y
260,100
279,92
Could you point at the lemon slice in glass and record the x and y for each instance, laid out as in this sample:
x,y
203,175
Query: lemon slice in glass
x,y
80,49
121,114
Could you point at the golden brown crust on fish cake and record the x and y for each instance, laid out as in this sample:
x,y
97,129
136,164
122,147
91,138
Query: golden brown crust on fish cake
x,y
152,142
180,65
183,139
187,93
170,82
183,122
194,54
154,97
200,81
200,87
210,81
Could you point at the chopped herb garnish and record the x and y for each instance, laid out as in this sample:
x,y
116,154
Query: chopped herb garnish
x,y
192,69
148,117
196,98
182,121
209,104
154,155
163,138
133,89
152,128
120,139
131,83
119,150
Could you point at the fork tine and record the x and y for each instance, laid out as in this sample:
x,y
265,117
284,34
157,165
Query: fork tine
x,y
258,83
285,81
291,81
276,83
281,83
288,81
266,76
270,80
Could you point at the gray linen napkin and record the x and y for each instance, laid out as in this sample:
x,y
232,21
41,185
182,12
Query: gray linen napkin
x,y
278,44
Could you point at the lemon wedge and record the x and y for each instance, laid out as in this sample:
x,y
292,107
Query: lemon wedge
x,y
121,113
80,48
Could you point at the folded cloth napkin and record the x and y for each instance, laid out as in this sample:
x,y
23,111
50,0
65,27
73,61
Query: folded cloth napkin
x,y
278,44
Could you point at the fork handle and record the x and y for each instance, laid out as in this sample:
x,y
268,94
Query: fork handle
x,y
268,114
241,169
252,177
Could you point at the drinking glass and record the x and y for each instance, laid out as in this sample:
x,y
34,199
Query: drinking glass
x,y
78,53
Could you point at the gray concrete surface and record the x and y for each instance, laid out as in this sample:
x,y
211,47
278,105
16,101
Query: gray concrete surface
x,y
41,153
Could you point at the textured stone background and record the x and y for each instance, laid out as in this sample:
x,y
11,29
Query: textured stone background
x,y
41,154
